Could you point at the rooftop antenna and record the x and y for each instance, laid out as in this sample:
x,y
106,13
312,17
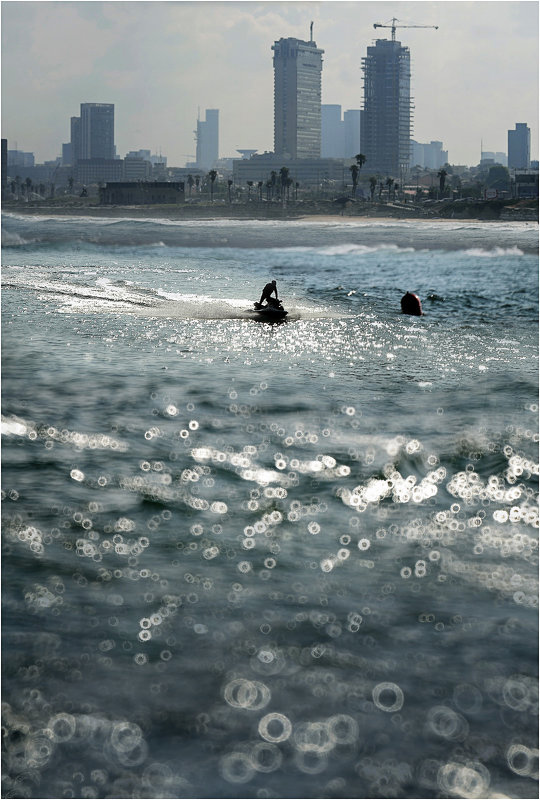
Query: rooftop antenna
x,y
311,32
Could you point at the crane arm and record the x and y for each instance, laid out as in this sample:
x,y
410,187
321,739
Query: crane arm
x,y
393,26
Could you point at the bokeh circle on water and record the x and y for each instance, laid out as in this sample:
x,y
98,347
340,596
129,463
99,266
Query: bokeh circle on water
x,y
266,757
237,767
313,736
468,698
470,780
523,760
393,702
342,728
242,693
125,736
448,724
275,727
310,761
38,749
62,727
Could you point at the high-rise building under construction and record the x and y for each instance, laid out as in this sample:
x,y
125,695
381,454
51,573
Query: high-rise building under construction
x,y
297,98
386,118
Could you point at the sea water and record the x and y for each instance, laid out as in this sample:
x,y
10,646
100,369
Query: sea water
x,y
248,560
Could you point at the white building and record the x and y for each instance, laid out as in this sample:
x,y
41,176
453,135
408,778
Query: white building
x,y
430,155
207,133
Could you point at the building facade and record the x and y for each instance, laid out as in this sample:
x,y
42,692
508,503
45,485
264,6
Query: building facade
x,y
332,133
98,170
351,132
429,155
519,146
306,171
96,131
75,124
297,98
207,134
136,168
141,193
17,158
386,114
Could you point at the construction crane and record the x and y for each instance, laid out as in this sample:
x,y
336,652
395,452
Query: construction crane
x,y
394,26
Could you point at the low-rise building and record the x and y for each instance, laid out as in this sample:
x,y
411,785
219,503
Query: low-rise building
x,y
524,182
306,171
98,170
131,193
136,168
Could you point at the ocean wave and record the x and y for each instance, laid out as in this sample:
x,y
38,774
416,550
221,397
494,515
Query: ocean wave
x,y
13,239
495,252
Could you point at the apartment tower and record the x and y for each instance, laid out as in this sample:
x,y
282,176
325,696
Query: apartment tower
x,y
386,114
297,98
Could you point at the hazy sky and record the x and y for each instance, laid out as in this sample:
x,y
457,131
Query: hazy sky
x,y
159,62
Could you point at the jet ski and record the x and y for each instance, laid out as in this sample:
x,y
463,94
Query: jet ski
x,y
272,310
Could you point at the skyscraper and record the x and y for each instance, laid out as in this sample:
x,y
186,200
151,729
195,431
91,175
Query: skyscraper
x,y
207,152
96,131
297,98
519,146
386,117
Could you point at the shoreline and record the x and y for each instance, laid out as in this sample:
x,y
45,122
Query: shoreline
x,y
485,213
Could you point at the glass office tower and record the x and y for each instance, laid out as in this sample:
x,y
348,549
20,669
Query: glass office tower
x,y
297,98
96,131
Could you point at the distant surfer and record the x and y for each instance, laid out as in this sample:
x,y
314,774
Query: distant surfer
x,y
267,293
410,304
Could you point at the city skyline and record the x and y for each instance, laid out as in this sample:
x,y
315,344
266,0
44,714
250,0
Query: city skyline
x,y
472,80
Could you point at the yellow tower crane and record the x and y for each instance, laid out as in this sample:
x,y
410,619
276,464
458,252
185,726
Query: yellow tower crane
x,y
394,26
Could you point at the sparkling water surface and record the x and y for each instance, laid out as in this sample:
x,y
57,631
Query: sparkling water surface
x,y
252,561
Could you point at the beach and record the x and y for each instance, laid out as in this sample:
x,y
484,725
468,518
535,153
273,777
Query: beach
x,y
244,560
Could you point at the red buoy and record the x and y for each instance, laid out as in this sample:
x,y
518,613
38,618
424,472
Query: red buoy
x,y
410,304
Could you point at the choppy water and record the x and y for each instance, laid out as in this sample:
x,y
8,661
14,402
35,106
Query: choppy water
x,y
250,560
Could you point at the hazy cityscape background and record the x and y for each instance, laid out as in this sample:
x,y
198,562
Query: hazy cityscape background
x,y
174,96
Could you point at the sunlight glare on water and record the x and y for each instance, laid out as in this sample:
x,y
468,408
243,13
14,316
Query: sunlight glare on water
x,y
253,560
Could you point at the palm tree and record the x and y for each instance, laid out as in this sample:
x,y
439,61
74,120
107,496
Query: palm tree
x,y
296,187
190,183
354,168
289,184
442,173
284,176
212,175
372,186
250,186
229,184
360,160
28,183
389,183
70,184
197,182
381,187
260,185
273,179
